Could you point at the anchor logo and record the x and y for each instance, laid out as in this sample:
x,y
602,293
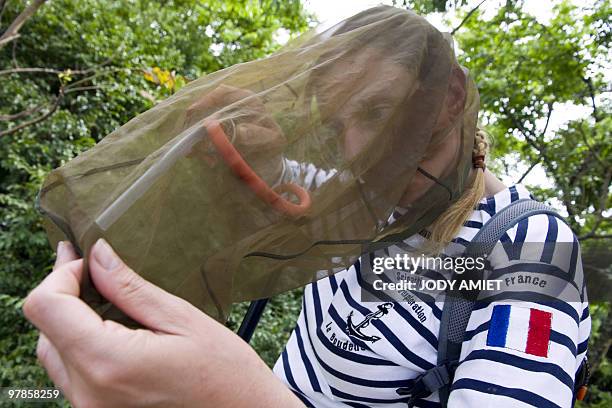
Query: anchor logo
x,y
355,330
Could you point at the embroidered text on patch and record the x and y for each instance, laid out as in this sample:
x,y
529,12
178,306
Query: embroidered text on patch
x,y
520,328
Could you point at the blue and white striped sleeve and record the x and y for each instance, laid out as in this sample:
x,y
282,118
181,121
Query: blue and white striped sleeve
x,y
519,353
306,175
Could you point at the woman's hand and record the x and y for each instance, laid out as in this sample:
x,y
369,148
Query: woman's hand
x,y
250,128
183,357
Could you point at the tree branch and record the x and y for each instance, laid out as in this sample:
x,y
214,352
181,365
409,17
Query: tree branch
x,y
45,71
550,109
591,89
97,74
535,163
467,17
21,114
29,70
80,88
527,134
582,238
531,139
592,151
603,198
64,90
42,117
12,32
58,99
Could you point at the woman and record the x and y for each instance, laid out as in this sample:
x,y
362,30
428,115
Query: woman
x,y
184,358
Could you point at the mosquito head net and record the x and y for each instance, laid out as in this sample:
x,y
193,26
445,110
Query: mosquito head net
x,y
268,175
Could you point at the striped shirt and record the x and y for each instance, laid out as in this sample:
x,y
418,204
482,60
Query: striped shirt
x,y
325,367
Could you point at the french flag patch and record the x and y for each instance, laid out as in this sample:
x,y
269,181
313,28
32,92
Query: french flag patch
x,y
520,328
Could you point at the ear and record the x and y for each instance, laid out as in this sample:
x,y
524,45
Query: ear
x,y
455,100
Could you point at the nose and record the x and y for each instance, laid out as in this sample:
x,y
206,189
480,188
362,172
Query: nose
x,y
356,140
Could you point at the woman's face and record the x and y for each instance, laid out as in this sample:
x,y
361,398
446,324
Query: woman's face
x,y
362,91
367,88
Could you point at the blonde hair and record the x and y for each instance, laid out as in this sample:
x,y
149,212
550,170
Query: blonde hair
x,y
447,225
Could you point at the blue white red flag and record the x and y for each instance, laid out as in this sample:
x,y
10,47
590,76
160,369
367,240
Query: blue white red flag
x,y
520,328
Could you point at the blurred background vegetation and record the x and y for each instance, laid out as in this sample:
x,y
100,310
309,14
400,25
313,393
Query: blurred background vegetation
x,y
71,71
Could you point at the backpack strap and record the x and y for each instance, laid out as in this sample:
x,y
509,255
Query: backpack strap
x,y
458,307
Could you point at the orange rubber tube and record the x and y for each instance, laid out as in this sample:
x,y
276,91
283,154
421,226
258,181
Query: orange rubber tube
x,y
241,168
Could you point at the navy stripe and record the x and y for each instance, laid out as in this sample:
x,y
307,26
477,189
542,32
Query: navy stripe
x,y
314,382
486,208
387,334
507,244
551,239
574,260
521,231
461,241
287,369
469,334
421,403
582,347
351,397
585,314
473,224
436,310
519,239
334,284
417,325
316,300
491,203
514,195
518,394
523,363
291,380
303,399
564,340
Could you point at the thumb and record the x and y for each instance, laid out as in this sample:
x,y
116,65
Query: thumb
x,y
144,302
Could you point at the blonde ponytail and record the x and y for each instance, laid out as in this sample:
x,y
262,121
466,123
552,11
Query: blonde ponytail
x,y
447,225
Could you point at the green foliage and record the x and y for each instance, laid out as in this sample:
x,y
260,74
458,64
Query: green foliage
x,y
97,55
525,69
275,326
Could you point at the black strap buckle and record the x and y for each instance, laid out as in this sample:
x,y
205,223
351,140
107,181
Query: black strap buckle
x,y
429,382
